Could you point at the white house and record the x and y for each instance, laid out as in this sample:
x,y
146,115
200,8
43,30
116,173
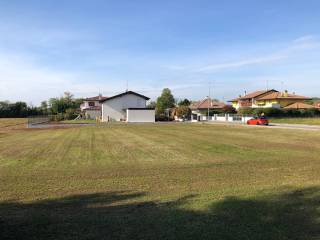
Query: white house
x,y
91,107
128,106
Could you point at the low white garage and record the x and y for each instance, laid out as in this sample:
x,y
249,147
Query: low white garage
x,y
140,115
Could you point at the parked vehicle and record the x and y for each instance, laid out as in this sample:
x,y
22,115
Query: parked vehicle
x,y
258,121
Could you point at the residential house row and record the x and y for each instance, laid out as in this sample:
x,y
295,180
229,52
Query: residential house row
x,y
131,106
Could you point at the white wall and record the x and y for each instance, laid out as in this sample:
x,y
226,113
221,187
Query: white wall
x,y
92,114
226,118
268,105
221,118
141,115
85,104
115,109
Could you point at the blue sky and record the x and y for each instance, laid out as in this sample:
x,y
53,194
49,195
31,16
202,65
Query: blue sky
x,y
87,47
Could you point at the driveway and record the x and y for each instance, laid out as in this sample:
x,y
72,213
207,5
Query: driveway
x,y
295,126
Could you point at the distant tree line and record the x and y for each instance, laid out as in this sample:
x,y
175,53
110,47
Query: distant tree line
x,y
64,107
17,110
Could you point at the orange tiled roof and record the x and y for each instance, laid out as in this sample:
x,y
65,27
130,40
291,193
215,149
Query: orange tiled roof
x,y
253,95
96,98
279,95
299,105
205,103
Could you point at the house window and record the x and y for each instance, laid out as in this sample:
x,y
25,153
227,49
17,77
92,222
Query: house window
x,y
91,104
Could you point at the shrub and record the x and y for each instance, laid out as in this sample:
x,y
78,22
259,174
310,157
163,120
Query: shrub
x,y
270,112
292,113
228,109
246,111
276,112
183,111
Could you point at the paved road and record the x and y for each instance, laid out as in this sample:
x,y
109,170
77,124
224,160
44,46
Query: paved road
x,y
295,126
272,125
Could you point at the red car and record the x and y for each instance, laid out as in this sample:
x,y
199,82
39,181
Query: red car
x,y
258,121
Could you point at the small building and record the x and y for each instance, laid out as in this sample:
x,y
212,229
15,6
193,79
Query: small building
x,y
91,107
267,99
199,109
128,106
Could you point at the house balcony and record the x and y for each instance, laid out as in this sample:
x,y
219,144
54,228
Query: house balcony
x,y
245,104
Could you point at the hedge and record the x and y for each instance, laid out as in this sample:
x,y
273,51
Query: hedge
x,y
275,112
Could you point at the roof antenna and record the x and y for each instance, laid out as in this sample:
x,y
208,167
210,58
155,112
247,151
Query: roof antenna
x,y
127,85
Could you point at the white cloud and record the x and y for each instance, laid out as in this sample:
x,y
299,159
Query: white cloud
x,y
299,44
23,79
241,63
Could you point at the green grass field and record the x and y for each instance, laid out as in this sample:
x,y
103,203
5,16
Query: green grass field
x,y
307,121
160,181
12,122
79,121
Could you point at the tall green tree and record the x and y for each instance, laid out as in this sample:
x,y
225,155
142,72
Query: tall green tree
x,y
64,103
183,112
184,102
152,104
44,107
165,101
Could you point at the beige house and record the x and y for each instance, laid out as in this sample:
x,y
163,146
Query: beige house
x,y
91,107
267,99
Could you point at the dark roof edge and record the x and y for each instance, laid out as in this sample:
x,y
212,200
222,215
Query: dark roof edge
x,y
244,97
125,93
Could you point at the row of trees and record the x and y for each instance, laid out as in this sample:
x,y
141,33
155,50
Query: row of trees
x,y
18,109
64,107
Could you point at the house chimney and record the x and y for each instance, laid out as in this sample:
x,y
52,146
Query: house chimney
x,y
100,96
245,92
285,93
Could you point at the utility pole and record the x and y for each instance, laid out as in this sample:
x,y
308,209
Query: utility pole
x,y
209,101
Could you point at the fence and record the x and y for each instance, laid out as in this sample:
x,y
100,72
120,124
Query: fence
x,y
223,118
34,120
